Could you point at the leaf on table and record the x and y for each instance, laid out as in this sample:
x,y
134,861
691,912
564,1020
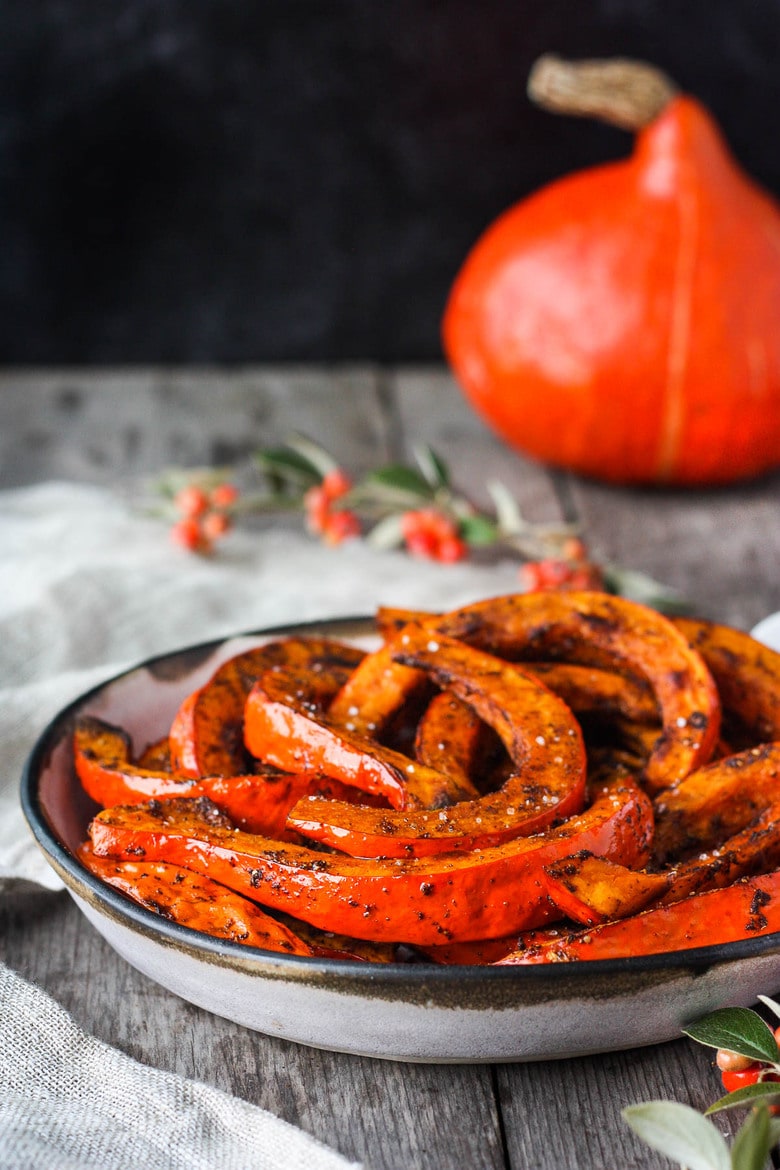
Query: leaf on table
x,y
478,530
285,467
399,478
679,1132
316,456
640,587
508,515
774,1131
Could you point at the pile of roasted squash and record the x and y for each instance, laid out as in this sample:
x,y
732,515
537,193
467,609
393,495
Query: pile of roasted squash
x,y
534,778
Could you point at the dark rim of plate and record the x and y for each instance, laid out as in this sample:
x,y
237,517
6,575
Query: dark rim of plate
x,y
697,959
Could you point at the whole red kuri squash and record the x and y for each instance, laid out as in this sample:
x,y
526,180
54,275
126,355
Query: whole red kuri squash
x,y
624,322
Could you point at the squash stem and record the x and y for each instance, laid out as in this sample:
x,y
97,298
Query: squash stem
x,y
625,93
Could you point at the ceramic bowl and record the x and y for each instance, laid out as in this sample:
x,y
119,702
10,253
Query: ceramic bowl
x,y
400,1011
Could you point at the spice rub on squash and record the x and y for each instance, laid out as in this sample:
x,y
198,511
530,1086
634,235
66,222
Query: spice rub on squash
x,y
496,783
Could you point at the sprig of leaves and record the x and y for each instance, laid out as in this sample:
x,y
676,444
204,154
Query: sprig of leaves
x,y
688,1137
383,497
386,492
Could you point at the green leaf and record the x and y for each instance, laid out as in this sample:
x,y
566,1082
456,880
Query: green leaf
x,y
434,469
378,498
640,587
288,467
387,533
401,478
740,1030
316,456
768,1091
679,1132
751,1146
478,530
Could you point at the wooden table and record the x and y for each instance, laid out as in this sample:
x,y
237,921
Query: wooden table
x,y
721,548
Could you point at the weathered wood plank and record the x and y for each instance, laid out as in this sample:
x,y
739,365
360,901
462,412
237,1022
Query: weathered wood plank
x,y
106,426
387,1114
720,549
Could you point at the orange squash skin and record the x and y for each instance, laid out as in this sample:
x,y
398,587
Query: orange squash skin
x,y
206,736
256,803
747,909
622,322
422,901
195,901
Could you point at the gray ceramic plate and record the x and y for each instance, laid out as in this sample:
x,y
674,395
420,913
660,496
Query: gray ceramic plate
x,y
399,1011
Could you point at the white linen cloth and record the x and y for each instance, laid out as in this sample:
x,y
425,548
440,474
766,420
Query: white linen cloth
x,y
88,587
70,1102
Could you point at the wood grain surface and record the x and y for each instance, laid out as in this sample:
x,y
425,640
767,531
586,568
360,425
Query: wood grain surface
x,y
721,549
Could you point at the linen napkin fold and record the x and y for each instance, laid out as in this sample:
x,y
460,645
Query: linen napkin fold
x,y
90,587
70,1102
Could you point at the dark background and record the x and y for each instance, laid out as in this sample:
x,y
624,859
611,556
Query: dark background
x,y
291,180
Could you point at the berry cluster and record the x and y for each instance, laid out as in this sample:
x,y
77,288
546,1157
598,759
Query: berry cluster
x,y
571,570
204,515
428,533
397,506
737,1071
324,517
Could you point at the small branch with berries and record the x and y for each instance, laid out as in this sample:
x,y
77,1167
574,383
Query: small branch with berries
x,y
416,508
748,1059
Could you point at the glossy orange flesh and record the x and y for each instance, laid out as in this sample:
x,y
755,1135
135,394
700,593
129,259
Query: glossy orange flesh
x,y
421,901
542,738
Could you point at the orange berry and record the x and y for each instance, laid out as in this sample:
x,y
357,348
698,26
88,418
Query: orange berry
x,y
340,526
586,576
336,483
451,549
412,523
422,544
191,500
189,534
317,507
440,525
728,1061
553,572
530,577
740,1078
573,549
427,532
215,524
223,495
